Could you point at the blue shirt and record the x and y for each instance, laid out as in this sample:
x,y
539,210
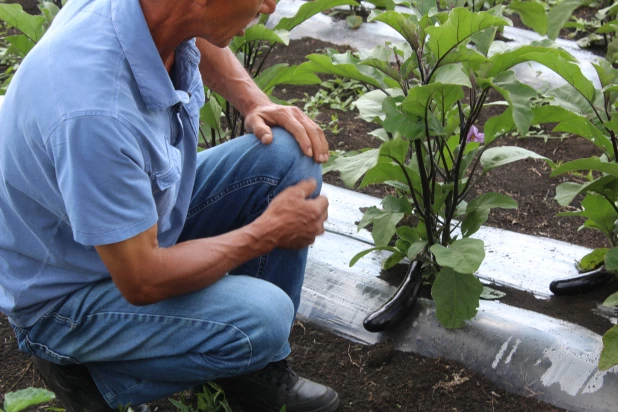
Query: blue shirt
x,y
97,144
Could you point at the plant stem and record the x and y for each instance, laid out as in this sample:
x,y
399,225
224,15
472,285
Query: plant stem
x,y
427,195
412,191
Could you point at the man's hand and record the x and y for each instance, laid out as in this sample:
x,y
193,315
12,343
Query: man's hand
x,y
307,133
293,220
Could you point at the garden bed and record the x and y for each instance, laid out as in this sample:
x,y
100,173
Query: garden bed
x,y
431,383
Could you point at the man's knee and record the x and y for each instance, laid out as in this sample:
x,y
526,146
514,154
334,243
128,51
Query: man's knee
x,y
287,152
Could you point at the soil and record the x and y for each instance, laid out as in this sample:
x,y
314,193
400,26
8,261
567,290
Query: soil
x,y
376,378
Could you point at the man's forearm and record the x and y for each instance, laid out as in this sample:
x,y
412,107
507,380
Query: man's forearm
x,y
223,73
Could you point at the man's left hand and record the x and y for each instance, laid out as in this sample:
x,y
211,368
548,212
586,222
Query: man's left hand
x,y
307,133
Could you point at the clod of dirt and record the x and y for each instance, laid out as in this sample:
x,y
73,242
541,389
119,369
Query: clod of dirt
x,y
379,356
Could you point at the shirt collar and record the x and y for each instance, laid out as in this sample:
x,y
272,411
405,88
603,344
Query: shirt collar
x,y
152,79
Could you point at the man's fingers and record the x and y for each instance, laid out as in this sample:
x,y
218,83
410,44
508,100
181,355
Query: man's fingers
x,y
307,187
262,131
316,137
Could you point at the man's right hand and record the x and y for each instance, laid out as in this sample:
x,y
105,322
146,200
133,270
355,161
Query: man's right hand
x,y
293,220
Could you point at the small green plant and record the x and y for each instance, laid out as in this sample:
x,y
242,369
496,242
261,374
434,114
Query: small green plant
x,y
20,400
210,399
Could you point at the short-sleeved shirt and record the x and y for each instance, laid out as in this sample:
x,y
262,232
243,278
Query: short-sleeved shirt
x,y
97,144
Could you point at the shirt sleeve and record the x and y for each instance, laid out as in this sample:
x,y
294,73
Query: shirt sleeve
x,y
102,178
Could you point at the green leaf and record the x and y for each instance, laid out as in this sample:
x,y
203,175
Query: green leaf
x,y
566,96
461,24
383,66
609,354
491,294
408,234
394,204
369,106
477,211
452,74
20,400
49,10
500,62
532,14
456,296
210,114
591,163
425,6
569,71
365,252
394,149
15,16
500,156
396,121
612,300
320,63
483,40
518,95
353,167
392,260
402,23
384,172
384,224
259,32
601,214
605,185
309,9
354,21
284,74
592,260
559,14
611,260
416,248
420,97
496,125
21,43
571,123
464,255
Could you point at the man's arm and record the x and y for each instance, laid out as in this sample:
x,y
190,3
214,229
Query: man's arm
x,y
223,73
145,273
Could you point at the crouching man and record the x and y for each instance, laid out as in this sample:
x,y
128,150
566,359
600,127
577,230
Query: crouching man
x,y
128,261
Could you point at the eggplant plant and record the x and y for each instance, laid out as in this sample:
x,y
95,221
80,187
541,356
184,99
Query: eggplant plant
x,y
432,154
579,108
252,50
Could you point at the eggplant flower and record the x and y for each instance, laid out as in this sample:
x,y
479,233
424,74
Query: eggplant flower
x,y
475,136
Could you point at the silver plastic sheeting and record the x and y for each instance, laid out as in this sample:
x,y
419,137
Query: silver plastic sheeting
x,y
512,259
520,350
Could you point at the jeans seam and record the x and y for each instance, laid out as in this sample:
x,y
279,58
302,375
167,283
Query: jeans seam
x,y
75,324
228,190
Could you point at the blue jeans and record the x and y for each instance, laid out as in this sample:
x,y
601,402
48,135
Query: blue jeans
x,y
238,325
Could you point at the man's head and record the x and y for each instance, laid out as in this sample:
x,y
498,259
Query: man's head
x,y
218,21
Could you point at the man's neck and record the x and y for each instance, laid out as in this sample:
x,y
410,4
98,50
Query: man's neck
x,y
163,24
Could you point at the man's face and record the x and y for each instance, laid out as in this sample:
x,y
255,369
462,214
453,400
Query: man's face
x,y
229,18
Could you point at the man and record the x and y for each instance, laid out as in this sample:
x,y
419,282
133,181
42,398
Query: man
x,y
122,250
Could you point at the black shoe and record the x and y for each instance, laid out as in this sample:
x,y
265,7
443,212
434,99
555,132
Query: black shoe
x,y
275,386
74,387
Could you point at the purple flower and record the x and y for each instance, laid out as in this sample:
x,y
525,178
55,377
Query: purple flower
x,y
475,136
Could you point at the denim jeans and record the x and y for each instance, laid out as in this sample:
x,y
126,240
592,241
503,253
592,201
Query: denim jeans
x,y
238,325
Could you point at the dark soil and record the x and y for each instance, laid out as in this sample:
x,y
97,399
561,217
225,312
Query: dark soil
x,y
405,381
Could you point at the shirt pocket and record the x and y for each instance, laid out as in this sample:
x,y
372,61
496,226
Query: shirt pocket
x,y
165,189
